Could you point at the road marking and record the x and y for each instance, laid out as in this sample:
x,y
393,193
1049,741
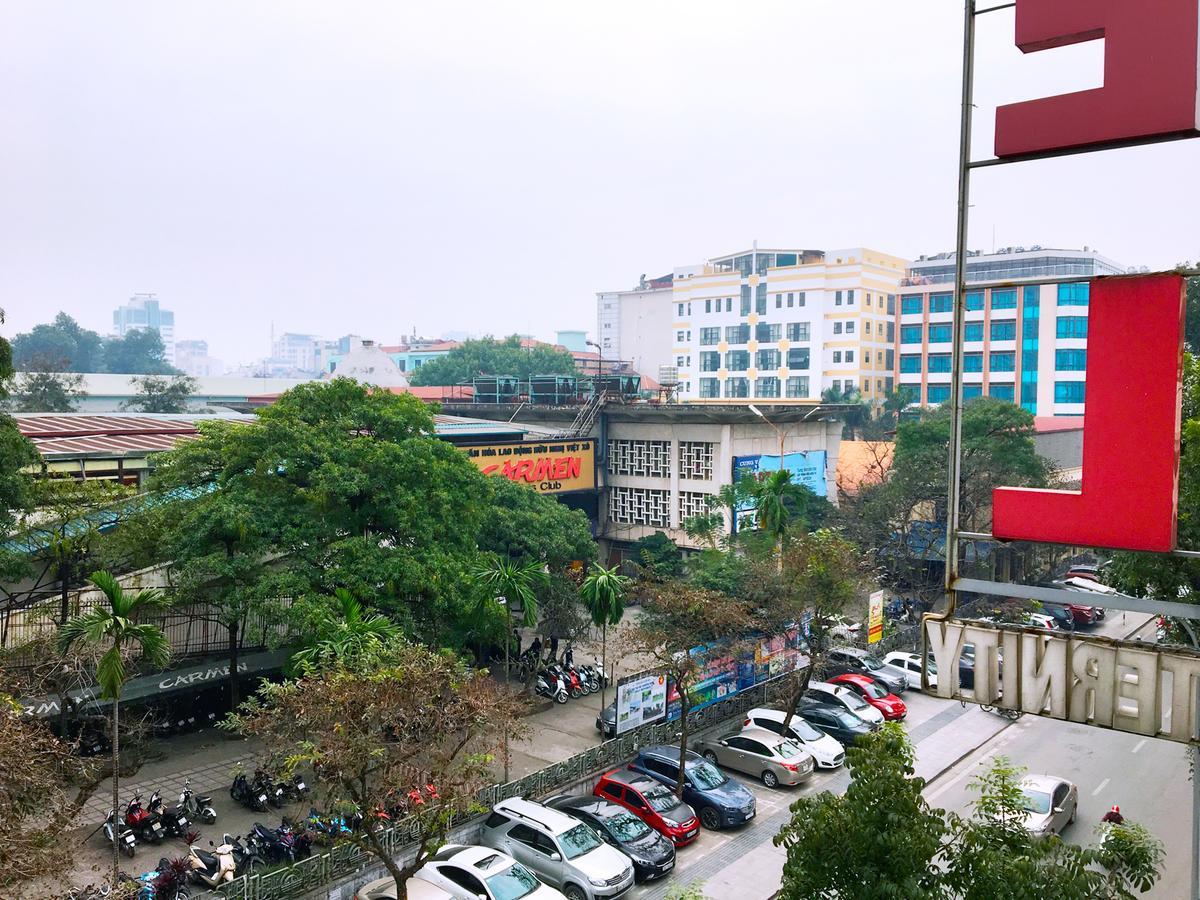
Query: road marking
x,y
1140,745
1101,786
969,770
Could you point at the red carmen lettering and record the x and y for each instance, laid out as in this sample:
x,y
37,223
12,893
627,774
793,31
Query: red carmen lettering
x,y
1130,493
574,466
560,467
1150,75
541,471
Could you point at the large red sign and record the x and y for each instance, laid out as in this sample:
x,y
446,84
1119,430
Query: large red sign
x,y
1130,428
1150,75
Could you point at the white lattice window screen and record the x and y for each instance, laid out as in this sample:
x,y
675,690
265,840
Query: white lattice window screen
x,y
696,460
639,506
692,504
651,459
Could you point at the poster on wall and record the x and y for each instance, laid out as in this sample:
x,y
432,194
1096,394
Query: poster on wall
x,y
641,701
807,468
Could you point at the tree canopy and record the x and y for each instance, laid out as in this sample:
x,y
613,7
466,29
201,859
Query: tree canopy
x,y
161,394
49,392
64,346
493,357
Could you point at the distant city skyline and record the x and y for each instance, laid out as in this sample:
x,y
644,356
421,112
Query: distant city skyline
x,y
358,172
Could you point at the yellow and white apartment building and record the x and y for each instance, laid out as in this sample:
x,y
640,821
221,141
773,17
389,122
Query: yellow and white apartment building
x,y
785,325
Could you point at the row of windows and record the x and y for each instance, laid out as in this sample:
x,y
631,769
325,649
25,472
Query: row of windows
x,y
1066,327
739,360
767,386
1064,392
1068,295
999,361
765,332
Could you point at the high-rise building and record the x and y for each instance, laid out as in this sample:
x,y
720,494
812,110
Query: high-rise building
x,y
781,324
298,352
1026,343
144,311
191,358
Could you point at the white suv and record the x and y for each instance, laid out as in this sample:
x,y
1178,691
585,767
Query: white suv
x,y
561,851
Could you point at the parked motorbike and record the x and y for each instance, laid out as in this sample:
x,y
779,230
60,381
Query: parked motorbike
x,y
174,820
247,794
122,834
262,781
572,681
196,807
327,829
548,685
223,863
294,790
145,824
282,844
167,882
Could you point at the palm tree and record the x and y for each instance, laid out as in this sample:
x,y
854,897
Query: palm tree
x,y
113,623
777,502
603,593
350,633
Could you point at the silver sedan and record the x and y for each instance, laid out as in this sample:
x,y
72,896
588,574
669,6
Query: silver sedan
x,y
758,752
1050,804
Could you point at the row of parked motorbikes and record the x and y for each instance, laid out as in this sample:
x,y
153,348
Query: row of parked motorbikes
x,y
562,681
154,821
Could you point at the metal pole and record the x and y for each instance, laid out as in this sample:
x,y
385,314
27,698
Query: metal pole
x,y
507,687
960,288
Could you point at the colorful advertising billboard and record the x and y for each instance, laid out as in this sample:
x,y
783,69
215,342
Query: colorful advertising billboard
x,y
641,701
549,467
807,468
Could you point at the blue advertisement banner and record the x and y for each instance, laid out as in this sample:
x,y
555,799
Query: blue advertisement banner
x,y
807,468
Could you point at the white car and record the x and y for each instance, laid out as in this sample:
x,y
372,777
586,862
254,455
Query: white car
x,y
457,872
1050,803
826,751
911,664
844,697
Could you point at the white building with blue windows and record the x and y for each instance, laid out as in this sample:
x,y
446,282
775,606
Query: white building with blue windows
x,y
1026,343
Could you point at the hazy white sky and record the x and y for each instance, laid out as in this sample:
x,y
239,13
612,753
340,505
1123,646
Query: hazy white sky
x,y
487,166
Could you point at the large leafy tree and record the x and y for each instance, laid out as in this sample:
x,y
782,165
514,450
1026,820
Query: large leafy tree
x,y
779,504
340,631
61,345
412,732
519,523
49,392
114,625
139,352
494,357
161,394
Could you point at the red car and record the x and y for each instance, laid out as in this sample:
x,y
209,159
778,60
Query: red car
x,y
652,802
874,693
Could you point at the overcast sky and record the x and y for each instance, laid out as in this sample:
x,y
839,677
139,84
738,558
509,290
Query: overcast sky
x,y
487,166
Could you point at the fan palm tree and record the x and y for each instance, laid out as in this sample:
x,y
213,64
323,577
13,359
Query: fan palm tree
x,y
778,502
516,582
349,633
114,623
603,593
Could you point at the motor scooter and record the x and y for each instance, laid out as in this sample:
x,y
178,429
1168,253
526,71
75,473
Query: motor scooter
x,y
198,808
247,794
144,823
123,834
548,685
223,863
174,820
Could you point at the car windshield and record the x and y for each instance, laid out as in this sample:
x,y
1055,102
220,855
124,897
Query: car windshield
x,y
578,841
706,775
851,699
805,731
626,827
847,719
872,663
787,750
874,691
660,798
513,883
1035,801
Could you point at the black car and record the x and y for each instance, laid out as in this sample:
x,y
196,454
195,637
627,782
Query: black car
x,y
836,721
718,800
653,856
606,722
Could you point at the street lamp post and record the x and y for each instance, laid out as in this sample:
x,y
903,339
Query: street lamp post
x,y
782,434
599,357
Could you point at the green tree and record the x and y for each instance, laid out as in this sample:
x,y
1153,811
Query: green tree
x,y
413,732
603,593
61,344
158,394
659,555
48,392
857,414
516,582
494,357
341,631
16,455
139,352
115,625
519,523
1192,321
878,840
779,503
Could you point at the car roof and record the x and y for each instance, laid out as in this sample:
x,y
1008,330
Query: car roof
x,y
669,753
471,856
418,889
850,651
765,712
905,655
552,820
588,803
1045,783
853,677
638,780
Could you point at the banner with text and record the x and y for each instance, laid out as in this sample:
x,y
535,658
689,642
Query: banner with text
x,y
549,467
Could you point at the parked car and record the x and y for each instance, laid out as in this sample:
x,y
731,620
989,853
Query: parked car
x,y
652,855
836,721
911,664
720,801
1051,803
652,802
839,695
873,692
1061,615
826,752
560,850
1041,620
606,722
465,873
841,660
773,759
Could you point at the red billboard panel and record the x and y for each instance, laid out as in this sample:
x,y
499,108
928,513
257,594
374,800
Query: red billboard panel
x,y
1129,493
1150,76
